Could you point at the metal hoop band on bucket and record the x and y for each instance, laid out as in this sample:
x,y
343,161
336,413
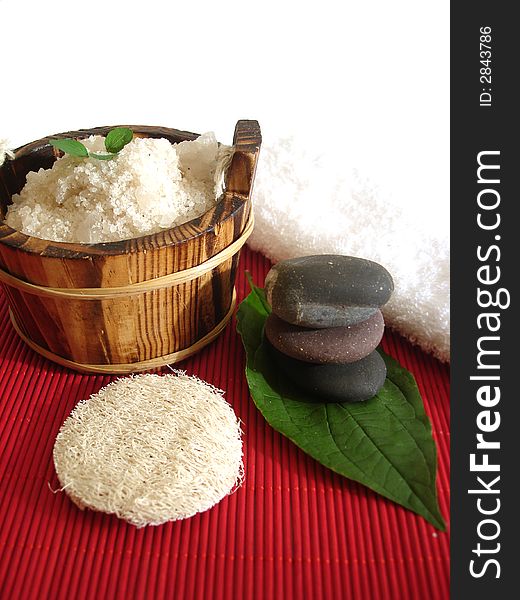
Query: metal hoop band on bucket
x,y
137,288
144,365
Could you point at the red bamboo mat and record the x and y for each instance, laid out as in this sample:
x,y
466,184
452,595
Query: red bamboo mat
x,y
294,529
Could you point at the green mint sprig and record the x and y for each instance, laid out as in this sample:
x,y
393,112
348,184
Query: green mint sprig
x,y
115,141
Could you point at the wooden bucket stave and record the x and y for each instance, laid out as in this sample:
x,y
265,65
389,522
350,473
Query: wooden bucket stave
x,y
132,305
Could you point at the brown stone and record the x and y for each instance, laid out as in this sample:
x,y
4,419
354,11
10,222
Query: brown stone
x,y
326,346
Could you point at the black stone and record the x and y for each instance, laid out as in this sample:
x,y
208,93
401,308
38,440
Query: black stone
x,y
331,345
350,382
327,290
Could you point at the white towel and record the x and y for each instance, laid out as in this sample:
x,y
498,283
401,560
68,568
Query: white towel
x,y
307,205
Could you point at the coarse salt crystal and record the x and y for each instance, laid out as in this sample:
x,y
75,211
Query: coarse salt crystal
x,y
151,185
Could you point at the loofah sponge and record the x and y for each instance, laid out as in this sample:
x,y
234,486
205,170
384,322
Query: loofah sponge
x,y
150,449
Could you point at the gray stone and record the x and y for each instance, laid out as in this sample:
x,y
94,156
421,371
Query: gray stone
x,y
331,345
350,382
327,290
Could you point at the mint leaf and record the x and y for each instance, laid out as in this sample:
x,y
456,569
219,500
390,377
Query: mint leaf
x,y
384,443
102,156
70,146
118,138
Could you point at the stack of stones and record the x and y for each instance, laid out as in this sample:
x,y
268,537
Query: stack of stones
x,y
326,323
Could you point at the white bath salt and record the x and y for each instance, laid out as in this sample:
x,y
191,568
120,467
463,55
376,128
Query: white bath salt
x,y
149,186
150,449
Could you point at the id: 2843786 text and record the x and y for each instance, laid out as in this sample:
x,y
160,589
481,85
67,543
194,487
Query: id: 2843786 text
x,y
485,66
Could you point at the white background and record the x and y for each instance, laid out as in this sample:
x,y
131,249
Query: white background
x,y
368,80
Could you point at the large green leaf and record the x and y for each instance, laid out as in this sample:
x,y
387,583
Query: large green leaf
x,y
384,443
